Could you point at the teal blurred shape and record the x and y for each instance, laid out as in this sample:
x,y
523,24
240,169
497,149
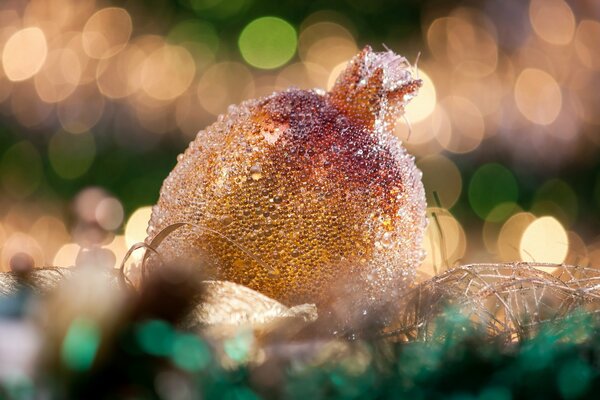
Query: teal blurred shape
x,y
81,344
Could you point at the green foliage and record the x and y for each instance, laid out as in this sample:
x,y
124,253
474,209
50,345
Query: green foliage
x,y
460,362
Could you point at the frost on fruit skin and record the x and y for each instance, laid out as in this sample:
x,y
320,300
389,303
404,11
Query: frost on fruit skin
x,y
304,196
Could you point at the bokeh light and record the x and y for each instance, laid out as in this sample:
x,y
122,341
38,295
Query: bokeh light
x,y
467,40
59,77
51,233
106,32
444,242
66,255
167,72
587,39
20,243
468,125
109,213
135,230
538,96
224,84
335,73
578,252
424,104
268,42
24,54
552,20
491,185
326,43
494,223
544,240
509,238
119,248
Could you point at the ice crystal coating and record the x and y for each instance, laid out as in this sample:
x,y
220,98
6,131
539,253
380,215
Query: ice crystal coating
x,y
304,196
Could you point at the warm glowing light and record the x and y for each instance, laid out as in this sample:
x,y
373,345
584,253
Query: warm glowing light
x,y
19,242
587,102
594,255
494,223
135,229
74,42
106,32
335,73
119,248
304,75
538,96
552,20
509,239
223,84
423,105
168,72
2,233
109,213
142,46
467,39
331,51
51,233
578,252
417,137
59,77
437,125
544,240
468,126
327,44
189,115
53,16
313,33
487,93
66,255
587,43
87,201
24,54
445,242
115,76
153,115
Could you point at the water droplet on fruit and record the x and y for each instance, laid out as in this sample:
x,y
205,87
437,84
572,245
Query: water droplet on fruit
x,y
226,220
256,172
386,240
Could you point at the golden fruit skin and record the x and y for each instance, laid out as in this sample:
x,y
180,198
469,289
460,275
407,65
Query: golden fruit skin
x,y
300,196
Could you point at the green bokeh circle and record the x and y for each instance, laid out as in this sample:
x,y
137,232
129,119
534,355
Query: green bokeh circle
x,y
491,185
268,42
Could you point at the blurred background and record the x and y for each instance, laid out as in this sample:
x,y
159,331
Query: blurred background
x,y
98,98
